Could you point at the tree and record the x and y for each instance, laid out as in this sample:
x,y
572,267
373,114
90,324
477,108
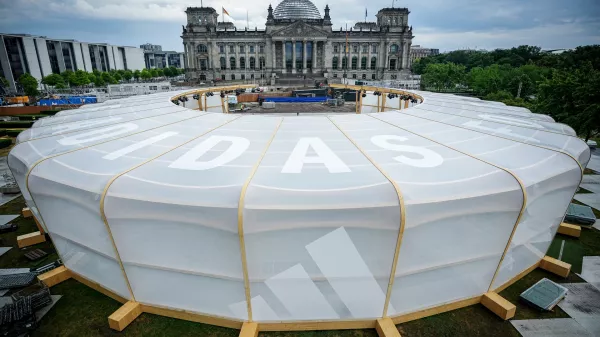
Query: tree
x,y
160,73
4,82
145,74
53,80
29,84
153,73
108,78
127,75
444,75
136,74
80,78
67,76
167,72
572,97
117,76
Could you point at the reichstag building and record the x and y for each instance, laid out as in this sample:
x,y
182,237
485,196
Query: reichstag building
x,y
297,40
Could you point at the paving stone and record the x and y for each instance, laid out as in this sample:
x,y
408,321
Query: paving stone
x,y
556,327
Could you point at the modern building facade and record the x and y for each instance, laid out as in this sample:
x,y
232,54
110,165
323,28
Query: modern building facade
x,y
297,40
155,57
41,56
418,52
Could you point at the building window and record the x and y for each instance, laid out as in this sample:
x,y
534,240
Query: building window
x,y
394,48
394,76
365,48
334,63
232,49
262,75
261,63
242,49
242,63
374,49
355,49
354,76
373,63
243,77
393,64
153,87
203,64
233,76
252,63
232,63
202,48
336,48
221,49
251,76
223,63
372,76
261,49
334,75
363,63
252,49
354,62
223,77
202,77
364,76
344,62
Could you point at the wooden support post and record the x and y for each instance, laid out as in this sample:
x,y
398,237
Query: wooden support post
x,y
39,227
121,318
383,102
30,239
406,104
498,305
55,276
249,329
26,212
385,328
360,99
555,266
570,230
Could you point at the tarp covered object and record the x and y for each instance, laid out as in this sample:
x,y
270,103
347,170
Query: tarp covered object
x,y
311,217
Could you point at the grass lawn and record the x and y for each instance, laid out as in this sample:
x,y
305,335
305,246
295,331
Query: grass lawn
x,y
83,312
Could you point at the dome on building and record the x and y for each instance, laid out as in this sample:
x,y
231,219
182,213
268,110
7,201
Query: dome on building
x,y
296,9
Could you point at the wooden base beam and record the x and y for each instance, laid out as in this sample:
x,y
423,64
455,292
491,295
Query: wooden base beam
x,y
249,329
385,328
121,318
570,230
498,305
30,239
26,212
555,266
55,276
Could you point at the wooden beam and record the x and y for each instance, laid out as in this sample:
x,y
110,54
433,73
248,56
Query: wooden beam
x,y
435,310
498,305
570,230
39,226
386,328
555,266
55,276
30,239
121,318
249,329
193,316
26,212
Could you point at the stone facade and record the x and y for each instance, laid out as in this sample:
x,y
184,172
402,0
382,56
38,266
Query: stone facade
x,y
291,46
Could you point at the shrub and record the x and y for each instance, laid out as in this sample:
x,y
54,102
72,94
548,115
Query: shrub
x,y
2,132
5,142
16,124
14,132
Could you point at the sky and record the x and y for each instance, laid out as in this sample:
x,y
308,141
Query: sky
x,y
443,24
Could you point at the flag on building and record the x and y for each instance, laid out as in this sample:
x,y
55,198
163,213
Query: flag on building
x,y
225,11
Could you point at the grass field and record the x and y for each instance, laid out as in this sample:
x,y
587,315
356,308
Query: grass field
x,y
83,312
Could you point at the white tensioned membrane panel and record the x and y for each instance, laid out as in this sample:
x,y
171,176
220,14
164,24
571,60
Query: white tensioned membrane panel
x,y
422,206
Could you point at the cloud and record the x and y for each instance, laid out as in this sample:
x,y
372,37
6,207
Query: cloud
x,y
436,23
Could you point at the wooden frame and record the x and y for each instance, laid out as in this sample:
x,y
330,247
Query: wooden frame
x,y
555,266
26,212
30,239
569,230
386,328
498,305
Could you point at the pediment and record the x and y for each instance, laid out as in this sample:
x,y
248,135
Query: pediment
x,y
299,29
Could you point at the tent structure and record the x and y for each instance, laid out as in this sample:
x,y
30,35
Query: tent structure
x,y
291,220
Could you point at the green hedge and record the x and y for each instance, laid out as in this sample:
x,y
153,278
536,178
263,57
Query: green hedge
x,y
50,112
16,124
2,132
14,132
29,117
5,142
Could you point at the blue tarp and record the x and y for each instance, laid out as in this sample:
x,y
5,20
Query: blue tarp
x,y
295,99
70,100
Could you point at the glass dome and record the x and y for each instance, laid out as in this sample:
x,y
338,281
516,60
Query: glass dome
x,y
296,9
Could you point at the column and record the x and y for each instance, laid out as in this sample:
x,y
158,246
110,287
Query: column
x,y
227,66
274,59
304,56
314,57
246,47
369,58
284,59
293,56
187,54
358,63
340,63
385,53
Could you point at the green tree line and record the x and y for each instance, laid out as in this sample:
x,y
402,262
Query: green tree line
x,y
565,86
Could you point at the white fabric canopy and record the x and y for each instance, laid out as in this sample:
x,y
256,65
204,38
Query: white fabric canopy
x,y
454,196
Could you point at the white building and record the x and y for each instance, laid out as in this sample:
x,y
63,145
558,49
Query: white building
x,y
155,57
41,56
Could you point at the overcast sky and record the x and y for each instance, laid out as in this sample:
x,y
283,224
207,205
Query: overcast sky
x,y
443,24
